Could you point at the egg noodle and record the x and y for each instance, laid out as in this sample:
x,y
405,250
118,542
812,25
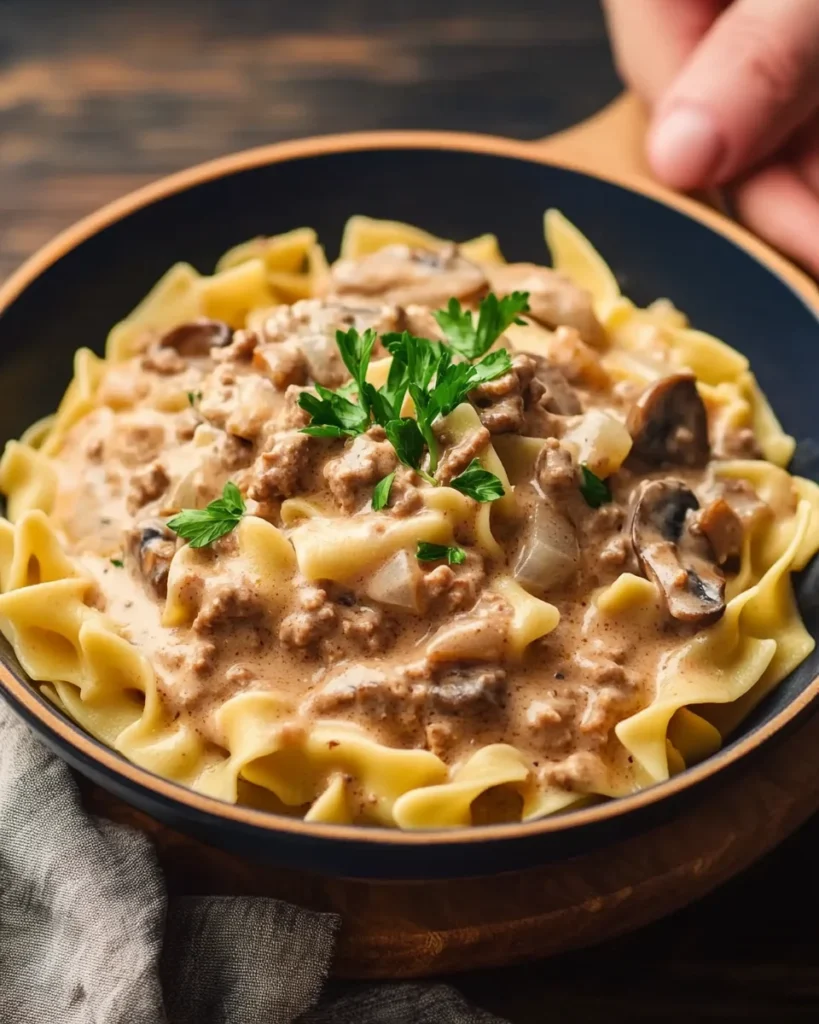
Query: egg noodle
x,y
314,659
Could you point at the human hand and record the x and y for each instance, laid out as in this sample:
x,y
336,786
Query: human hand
x,y
734,90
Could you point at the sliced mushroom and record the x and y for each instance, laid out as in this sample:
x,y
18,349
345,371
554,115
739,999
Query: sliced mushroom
x,y
197,337
668,423
468,688
403,275
554,300
153,545
676,557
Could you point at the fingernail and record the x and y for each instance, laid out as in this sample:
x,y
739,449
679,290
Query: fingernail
x,y
685,148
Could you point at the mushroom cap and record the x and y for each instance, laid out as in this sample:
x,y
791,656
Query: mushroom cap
x,y
153,546
676,557
197,337
668,423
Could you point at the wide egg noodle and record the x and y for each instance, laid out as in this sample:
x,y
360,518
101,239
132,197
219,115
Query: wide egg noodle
x,y
28,479
756,643
324,770
365,235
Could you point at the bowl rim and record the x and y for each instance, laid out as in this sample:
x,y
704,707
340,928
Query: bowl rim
x,y
36,707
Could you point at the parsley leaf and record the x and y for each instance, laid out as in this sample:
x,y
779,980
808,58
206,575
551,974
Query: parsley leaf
x,y
356,350
596,491
332,410
201,527
439,552
406,438
478,483
194,397
118,562
426,411
472,339
453,384
491,366
381,492
421,356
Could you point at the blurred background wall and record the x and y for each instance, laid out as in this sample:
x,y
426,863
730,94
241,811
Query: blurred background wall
x,y
98,98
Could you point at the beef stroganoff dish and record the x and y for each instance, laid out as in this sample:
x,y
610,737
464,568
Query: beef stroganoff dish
x,y
420,539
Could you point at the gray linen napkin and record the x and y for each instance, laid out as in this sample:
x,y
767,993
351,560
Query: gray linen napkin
x,y
87,935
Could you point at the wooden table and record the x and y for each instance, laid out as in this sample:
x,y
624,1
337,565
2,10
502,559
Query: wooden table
x,y
98,99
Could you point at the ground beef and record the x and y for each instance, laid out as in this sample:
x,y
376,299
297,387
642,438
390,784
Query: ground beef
x,y
581,772
364,625
280,472
239,350
291,413
500,402
367,460
306,332
226,600
549,390
315,618
164,361
454,588
457,457
135,444
323,617
405,496
551,720
147,485
282,363
555,470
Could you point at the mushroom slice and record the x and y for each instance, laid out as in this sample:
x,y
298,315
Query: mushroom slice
x,y
197,337
554,299
668,423
401,275
676,557
153,545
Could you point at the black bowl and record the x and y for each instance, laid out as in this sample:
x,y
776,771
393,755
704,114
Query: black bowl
x,y
71,293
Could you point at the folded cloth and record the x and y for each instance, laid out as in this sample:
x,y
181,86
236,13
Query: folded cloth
x,y
87,935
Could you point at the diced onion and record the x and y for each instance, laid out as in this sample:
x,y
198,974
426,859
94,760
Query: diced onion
x,y
599,441
550,554
397,584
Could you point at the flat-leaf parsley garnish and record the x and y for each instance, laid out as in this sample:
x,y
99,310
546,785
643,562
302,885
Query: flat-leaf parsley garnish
x,y
472,339
116,562
478,483
381,492
202,526
596,491
439,553
438,377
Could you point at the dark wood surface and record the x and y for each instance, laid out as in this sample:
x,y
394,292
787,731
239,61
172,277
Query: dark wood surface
x,y
96,99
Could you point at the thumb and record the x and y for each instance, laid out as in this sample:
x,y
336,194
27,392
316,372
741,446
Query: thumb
x,y
750,82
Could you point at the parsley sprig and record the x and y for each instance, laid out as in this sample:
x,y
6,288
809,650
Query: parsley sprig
x,y
439,553
438,376
478,483
472,339
202,526
595,490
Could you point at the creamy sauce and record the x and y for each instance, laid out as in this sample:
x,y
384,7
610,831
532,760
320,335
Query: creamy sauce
x,y
174,424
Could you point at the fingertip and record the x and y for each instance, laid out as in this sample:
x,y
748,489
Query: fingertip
x,y
685,147
780,207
